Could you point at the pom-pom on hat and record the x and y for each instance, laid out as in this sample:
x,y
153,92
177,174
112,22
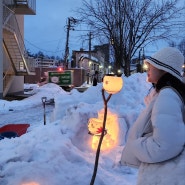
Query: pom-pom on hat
x,y
168,59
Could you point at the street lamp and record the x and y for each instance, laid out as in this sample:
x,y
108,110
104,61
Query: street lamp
x,y
109,69
145,67
119,72
183,72
44,106
183,67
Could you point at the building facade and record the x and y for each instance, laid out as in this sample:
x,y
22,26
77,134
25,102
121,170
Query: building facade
x,y
89,61
13,63
83,58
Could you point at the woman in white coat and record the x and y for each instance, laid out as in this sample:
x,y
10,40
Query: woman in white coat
x,y
156,141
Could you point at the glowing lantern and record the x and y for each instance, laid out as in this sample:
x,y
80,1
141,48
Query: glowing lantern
x,y
112,84
95,126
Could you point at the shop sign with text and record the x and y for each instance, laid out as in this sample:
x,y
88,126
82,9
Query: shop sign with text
x,y
63,78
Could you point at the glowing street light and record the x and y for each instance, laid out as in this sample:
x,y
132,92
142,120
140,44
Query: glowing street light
x,y
183,67
145,66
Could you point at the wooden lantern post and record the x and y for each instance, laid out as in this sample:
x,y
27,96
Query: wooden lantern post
x,y
112,85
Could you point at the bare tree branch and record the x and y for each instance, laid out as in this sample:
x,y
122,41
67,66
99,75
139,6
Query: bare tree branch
x,y
130,24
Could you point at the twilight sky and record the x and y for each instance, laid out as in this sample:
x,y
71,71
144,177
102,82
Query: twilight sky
x,y
46,31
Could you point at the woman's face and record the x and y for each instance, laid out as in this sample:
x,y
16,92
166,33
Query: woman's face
x,y
153,73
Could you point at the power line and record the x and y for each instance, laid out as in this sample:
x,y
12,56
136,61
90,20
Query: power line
x,y
41,48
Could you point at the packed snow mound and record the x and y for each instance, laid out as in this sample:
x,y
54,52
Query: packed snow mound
x,y
60,152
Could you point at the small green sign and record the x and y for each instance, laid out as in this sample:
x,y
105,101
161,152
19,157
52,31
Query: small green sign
x,y
62,78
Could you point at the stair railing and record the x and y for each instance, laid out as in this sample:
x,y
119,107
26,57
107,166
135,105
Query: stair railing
x,y
10,23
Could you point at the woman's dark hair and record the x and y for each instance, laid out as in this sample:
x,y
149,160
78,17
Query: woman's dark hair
x,y
169,80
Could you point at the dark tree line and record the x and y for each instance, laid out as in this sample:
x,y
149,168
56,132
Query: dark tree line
x,y
40,54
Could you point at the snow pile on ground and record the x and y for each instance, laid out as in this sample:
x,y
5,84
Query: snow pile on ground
x,y
60,152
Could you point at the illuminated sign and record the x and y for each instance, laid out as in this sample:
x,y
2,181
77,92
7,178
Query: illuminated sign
x,y
63,78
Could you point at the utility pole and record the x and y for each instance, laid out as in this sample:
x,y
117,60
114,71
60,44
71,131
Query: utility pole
x,y
67,43
89,65
90,38
71,21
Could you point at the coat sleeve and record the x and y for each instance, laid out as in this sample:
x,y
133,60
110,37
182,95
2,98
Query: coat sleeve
x,y
168,137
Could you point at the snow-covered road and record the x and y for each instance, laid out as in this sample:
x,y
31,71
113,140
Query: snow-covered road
x,y
36,114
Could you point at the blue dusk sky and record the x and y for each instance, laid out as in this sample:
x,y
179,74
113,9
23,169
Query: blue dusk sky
x,y
46,31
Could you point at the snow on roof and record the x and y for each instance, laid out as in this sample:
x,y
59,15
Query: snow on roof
x,y
87,56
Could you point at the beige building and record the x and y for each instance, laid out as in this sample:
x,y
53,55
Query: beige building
x,y
91,62
45,62
13,64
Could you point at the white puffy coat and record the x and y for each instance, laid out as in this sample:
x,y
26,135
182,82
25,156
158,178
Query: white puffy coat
x,y
156,141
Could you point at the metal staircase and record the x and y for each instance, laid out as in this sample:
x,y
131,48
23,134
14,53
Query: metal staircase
x,y
14,52
13,44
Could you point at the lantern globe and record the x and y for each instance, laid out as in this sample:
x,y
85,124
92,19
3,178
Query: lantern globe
x,y
112,84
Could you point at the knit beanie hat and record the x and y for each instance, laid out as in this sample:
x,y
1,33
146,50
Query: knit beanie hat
x,y
168,59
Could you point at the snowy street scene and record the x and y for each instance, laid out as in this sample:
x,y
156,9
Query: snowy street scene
x,y
92,92
61,152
